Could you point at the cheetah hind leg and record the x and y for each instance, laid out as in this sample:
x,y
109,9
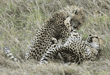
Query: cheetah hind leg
x,y
55,48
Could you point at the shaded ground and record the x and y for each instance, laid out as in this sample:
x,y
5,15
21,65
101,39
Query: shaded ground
x,y
31,68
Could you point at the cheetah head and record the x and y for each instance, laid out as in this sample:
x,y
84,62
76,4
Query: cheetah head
x,y
75,18
95,41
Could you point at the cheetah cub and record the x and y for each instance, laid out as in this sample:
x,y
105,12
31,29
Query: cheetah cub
x,y
75,49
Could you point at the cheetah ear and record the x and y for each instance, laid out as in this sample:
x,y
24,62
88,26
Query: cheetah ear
x,y
101,41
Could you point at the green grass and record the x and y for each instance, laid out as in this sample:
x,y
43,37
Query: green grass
x,y
20,20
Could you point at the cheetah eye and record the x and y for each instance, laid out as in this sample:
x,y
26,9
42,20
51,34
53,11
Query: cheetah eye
x,y
96,37
67,23
76,12
90,35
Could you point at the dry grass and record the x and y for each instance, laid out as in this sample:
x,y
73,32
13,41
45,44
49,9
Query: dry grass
x,y
20,19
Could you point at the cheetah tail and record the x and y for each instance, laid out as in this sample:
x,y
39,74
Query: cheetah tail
x,y
9,54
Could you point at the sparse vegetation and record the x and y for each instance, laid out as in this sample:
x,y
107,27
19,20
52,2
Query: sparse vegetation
x,y
20,19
